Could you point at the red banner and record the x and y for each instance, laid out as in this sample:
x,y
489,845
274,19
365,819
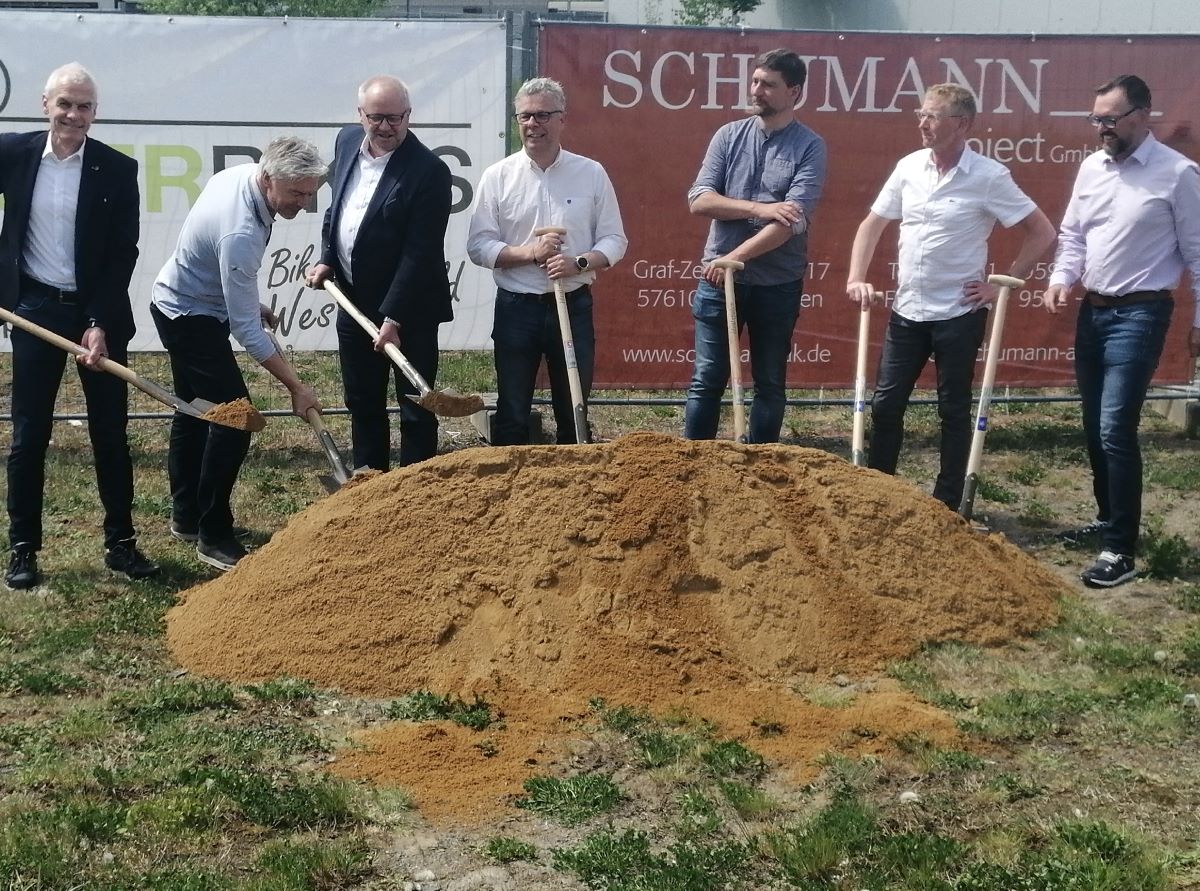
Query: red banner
x,y
645,101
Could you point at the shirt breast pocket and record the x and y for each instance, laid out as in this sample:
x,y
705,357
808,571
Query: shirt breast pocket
x,y
777,177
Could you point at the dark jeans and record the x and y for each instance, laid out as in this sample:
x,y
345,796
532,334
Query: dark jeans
x,y
203,460
907,346
37,373
525,330
365,385
1116,353
770,312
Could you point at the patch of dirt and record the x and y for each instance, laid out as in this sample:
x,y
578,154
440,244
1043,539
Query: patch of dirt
x,y
699,576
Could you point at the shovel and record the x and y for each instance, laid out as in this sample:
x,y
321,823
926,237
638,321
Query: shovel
x,y
858,452
578,409
446,403
735,352
1007,283
340,474
250,421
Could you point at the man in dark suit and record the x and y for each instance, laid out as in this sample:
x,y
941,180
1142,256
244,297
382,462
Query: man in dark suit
x,y
383,239
67,252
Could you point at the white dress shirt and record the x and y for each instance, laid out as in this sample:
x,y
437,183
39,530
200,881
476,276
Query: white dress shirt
x,y
49,253
516,196
1132,225
944,227
360,189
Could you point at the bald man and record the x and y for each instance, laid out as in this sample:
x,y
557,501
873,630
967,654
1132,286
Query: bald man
x,y
383,242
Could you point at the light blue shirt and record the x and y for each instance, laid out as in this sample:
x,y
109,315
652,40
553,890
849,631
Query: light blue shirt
x,y
214,269
746,162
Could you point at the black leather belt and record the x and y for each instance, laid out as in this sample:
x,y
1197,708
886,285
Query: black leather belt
x,y
40,289
548,297
1108,300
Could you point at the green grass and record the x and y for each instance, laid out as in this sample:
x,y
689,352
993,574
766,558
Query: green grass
x,y
571,800
117,772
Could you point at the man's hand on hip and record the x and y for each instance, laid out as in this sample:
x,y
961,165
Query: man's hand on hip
x,y
979,295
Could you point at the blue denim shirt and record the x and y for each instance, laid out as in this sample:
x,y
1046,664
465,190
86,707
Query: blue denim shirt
x,y
744,161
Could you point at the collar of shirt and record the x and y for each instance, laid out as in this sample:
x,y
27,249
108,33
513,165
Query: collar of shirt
x,y
536,167
76,155
1141,154
964,163
365,156
260,200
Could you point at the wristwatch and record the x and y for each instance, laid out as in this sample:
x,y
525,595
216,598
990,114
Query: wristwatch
x,y
582,262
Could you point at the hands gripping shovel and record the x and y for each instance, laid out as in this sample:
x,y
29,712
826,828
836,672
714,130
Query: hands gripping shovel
x,y
1006,283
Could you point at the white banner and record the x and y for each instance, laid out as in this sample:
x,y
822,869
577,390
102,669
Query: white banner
x,y
188,97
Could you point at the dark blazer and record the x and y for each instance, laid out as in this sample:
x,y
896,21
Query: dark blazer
x,y
106,227
399,258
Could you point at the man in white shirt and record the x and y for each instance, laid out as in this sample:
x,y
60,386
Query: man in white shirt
x,y
67,253
948,199
1131,229
542,185
384,240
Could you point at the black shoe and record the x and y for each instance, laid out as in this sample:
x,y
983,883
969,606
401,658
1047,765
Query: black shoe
x,y
222,555
184,532
22,569
125,557
1084,534
1109,570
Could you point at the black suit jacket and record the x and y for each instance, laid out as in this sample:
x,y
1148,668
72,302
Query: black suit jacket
x,y
106,227
398,264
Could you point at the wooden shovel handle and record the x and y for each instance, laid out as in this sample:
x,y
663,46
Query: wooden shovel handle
x,y
75,349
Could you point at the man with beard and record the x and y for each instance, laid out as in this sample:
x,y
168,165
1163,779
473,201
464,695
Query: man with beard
x,y
759,184
948,199
1132,227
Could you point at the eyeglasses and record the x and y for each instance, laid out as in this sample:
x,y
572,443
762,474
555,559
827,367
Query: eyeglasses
x,y
1108,120
524,117
394,120
934,116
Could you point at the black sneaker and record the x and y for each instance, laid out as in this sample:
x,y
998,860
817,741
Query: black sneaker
x,y
22,569
222,555
125,557
184,532
1084,534
1109,570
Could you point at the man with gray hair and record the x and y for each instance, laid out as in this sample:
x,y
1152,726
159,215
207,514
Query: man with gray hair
x,y
543,185
383,239
948,199
67,252
206,291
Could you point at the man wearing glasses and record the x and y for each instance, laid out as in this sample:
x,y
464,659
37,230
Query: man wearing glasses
x,y
948,199
1131,228
383,240
759,183
542,185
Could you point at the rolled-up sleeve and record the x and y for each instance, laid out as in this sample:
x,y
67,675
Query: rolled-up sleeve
x,y
711,177
610,231
240,257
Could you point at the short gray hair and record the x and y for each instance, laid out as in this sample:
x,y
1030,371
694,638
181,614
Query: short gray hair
x,y
380,80
71,74
536,85
290,157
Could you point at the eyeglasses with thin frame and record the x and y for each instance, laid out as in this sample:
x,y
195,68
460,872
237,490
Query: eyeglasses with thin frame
x,y
394,120
1109,120
524,117
935,116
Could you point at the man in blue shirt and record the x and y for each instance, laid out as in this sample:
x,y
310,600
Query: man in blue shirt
x,y
759,184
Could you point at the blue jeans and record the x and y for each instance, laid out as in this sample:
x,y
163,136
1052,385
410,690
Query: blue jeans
x,y
907,346
770,312
525,330
1116,353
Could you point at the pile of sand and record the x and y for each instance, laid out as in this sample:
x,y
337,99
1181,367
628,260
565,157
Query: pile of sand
x,y
649,571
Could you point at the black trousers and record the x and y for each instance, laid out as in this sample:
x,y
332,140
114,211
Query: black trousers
x,y
37,373
365,376
907,346
203,460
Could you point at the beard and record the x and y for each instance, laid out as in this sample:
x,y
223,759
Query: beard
x,y
1115,146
